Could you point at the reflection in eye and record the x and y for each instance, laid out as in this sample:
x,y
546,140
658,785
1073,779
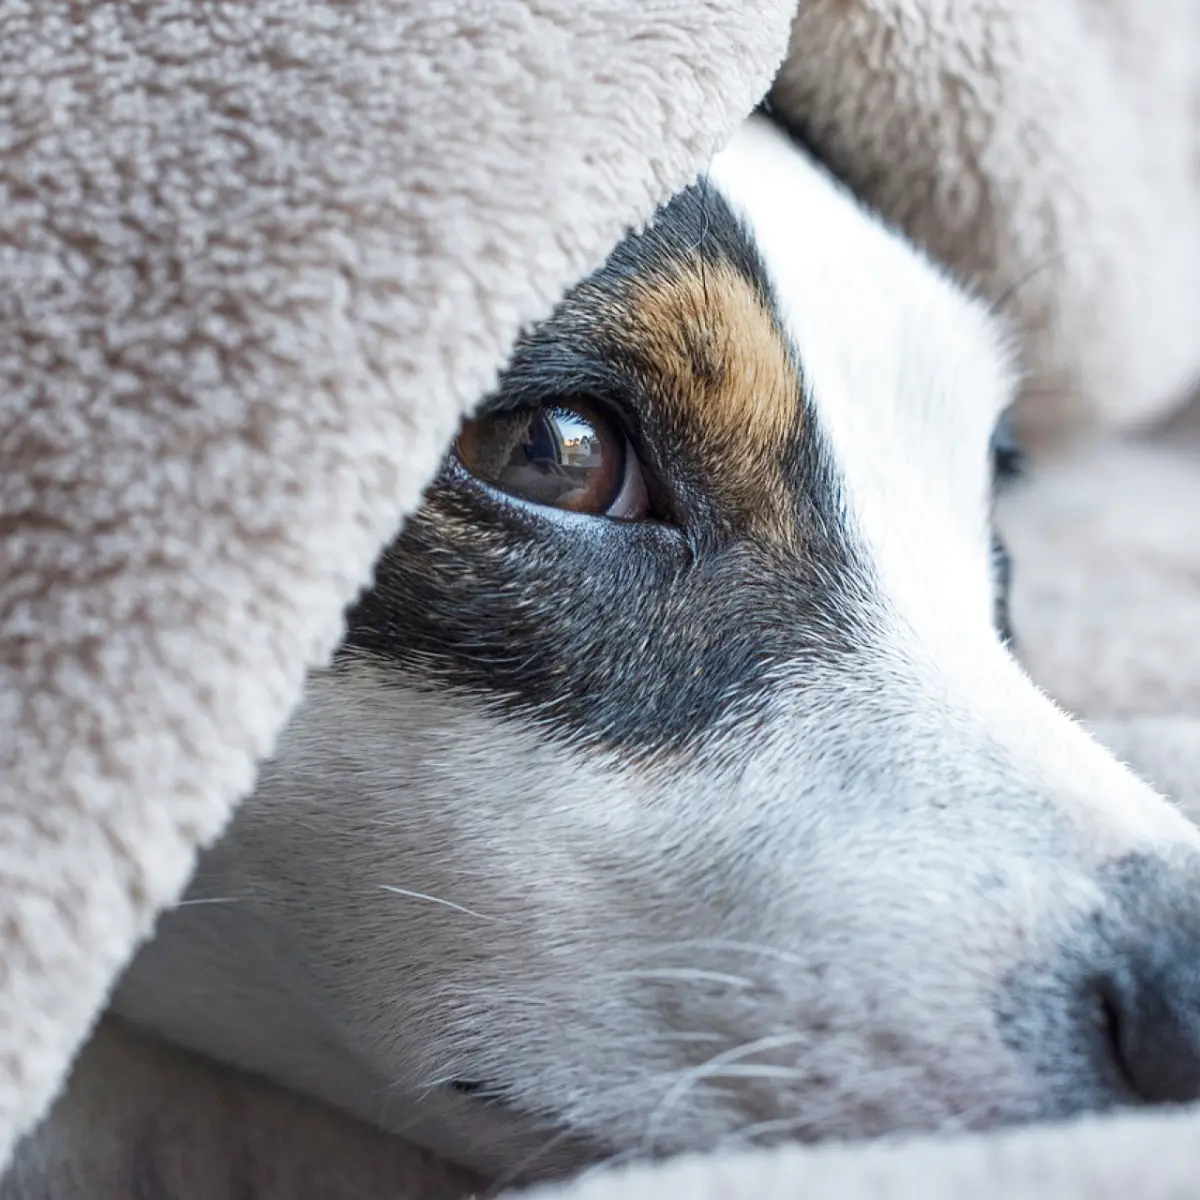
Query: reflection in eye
x,y
569,456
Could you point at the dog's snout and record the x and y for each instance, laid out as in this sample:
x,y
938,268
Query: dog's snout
x,y
1151,1001
1149,987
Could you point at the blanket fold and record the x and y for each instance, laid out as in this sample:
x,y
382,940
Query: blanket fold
x,y
258,257
1050,154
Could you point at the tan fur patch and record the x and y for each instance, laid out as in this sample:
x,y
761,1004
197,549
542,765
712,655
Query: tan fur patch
x,y
729,381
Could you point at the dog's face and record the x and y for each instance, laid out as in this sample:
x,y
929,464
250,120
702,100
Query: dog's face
x,y
675,783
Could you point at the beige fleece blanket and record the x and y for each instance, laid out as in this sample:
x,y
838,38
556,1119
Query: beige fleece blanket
x,y
256,258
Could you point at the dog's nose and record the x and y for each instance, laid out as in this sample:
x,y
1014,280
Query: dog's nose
x,y
1152,1004
1149,988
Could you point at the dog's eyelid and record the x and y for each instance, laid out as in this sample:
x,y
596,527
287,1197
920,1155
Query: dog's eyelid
x,y
603,394
616,404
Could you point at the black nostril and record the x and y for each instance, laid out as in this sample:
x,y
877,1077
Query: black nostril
x,y
1151,1006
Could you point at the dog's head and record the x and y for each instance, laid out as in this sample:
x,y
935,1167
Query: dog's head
x,y
675,782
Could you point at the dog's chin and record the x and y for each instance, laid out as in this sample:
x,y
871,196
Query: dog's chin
x,y
578,1105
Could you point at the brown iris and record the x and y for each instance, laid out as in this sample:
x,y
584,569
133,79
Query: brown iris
x,y
568,456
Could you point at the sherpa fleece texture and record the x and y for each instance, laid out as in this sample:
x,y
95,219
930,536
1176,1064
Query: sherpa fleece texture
x,y
257,257
1050,152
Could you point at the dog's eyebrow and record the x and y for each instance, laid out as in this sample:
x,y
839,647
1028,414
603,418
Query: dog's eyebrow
x,y
720,372
712,335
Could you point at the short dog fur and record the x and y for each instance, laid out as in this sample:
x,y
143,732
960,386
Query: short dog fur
x,y
731,821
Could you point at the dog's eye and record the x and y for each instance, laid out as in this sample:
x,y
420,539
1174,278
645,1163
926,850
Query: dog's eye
x,y
571,455
1008,458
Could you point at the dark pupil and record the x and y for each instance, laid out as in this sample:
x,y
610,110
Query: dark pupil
x,y
551,456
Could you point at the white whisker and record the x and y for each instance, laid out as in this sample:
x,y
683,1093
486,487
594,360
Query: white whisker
x,y
470,912
425,1086
736,947
748,1133
754,1071
712,1067
189,903
686,975
685,1035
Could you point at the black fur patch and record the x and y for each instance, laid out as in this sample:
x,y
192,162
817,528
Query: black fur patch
x,y
639,635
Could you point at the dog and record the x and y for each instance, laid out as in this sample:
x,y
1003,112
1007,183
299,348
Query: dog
x,y
676,785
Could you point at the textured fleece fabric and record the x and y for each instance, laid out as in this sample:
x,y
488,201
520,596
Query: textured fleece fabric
x,y
257,257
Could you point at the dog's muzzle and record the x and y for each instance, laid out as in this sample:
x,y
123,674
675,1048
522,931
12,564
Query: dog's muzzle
x,y
1122,1008
1149,989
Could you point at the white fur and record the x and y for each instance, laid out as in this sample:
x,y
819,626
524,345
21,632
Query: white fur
x,y
806,925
